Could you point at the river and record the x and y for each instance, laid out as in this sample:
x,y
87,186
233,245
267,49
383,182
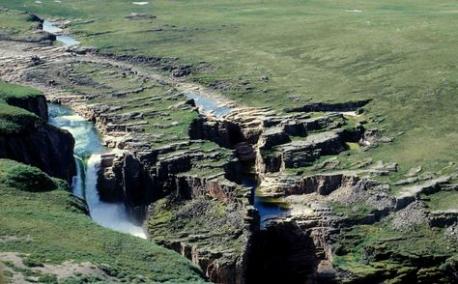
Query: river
x,y
268,208
88,150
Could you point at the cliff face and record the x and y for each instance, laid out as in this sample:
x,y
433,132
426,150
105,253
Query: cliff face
x,y
39,144
45,147
206,218
36,105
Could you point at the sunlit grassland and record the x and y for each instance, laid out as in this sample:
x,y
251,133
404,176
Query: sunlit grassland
x,y
14,119
38,219
14,22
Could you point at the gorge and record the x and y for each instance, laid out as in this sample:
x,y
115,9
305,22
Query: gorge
x,y
88,150
243,192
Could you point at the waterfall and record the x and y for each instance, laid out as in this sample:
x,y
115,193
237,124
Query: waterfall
x,y
88,150
110,215
77,183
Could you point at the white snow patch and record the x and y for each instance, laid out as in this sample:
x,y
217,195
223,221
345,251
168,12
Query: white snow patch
x,y
354,11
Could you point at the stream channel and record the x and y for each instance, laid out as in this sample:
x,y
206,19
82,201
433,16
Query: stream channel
x,y
88,150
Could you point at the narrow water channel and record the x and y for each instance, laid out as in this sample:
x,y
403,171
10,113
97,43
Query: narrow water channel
x,y
268,208
88,150
87,155
207,105
66,40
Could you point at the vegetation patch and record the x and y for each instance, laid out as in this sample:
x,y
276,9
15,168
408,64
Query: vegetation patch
x,y
24,177
16,24
14,120
396,54
380,252
443,200
43,226
197,217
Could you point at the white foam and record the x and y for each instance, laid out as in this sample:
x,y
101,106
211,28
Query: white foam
x,y
110,215
140,3
77,182
84,185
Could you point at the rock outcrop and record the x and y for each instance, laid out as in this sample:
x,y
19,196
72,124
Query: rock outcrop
x,y
44,147
34,104
206,218
39,144
408,194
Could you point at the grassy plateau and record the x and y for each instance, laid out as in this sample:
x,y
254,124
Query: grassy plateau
x,y
14,119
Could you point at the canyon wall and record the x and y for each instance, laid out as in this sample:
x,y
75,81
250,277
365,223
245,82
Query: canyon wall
x,y
39,144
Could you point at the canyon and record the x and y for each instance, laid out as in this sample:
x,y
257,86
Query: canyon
x,y
202,174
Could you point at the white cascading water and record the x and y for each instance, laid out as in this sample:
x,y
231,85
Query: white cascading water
x,y
88,150
77,183
110,215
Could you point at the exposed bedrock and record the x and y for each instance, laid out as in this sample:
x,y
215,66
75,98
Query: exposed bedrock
x,y
207,219
300,153
37,143
290,252
405,268
215,235
277,141
443,219
168,64
140,178
409,194
323,184
42,146
282,253
224,132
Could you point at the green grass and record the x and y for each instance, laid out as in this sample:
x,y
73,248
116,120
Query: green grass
x,y
367,250
15,24
352,211
165,122
26,178
51,230
13,91
197,217
14,120
443,200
